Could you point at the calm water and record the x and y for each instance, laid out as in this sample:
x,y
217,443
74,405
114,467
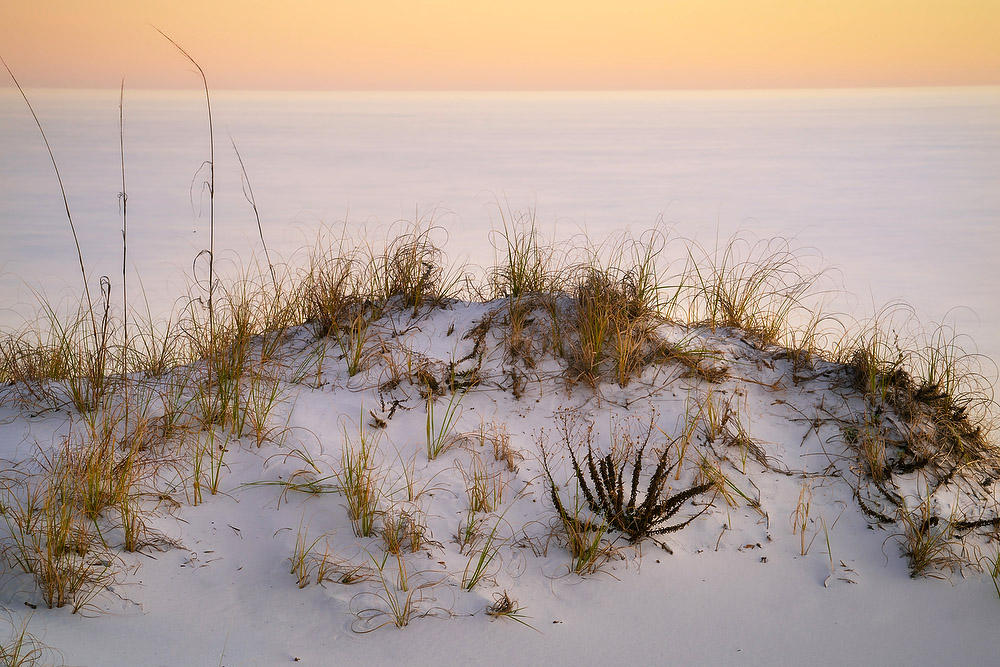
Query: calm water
x,y
900,189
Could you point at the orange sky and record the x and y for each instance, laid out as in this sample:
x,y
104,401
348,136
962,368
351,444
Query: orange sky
x,y
504,44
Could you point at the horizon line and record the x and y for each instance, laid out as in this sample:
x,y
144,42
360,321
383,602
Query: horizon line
x,y
718,89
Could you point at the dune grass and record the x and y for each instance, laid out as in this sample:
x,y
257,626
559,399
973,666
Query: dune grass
x,y
362,481
205,381
23,649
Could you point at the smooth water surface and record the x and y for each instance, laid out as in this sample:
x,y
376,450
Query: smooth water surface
x,y
899,189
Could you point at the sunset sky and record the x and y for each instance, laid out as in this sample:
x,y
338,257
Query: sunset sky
x,y
504,45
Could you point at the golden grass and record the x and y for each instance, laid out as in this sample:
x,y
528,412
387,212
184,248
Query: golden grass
x,y
497,436
53,541
583,535
800,518
22,648
361,480
927,539
504,606
483,487
397,601
403,530
754,286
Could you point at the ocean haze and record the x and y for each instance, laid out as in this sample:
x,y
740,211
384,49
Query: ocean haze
x,y
898,188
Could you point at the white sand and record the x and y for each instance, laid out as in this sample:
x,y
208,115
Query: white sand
x,y
744,594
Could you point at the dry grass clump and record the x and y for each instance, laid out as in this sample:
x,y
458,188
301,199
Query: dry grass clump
x,y
599,313
871,443
618,303
61,359
99,472
754,286
526,265
410,270
353,341
237,346
329,291
480,564
697,363
21,648
62,518
304,560
529,276
361,480
942,393
926,419
398,601
800,518
928,540
154,347
525,319
876,361
348,286
341,571
598,324
927,411
28,363
336,301
51,539
722,423
483,488
347,283
310,564
504,606
583,535
404,530
53,361
498,437
811,341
